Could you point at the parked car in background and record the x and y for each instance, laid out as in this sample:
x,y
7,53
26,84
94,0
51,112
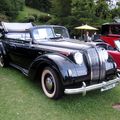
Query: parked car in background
x,y
110,32
61,65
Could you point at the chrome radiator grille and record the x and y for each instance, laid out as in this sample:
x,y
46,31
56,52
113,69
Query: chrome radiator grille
x,y
96,63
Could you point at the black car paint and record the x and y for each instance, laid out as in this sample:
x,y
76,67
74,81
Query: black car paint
x,y
29,56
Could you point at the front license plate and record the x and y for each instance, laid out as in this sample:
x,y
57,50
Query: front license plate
x,y
108,87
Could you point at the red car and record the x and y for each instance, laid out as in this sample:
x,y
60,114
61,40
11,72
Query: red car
x,y
110,33
114,52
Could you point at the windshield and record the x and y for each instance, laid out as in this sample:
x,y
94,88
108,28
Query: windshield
x,y
49,33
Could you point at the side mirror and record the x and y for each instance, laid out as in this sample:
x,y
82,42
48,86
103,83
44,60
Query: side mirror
x,y
117,44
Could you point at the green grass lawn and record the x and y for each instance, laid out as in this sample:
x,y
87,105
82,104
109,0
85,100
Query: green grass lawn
x,y
22,99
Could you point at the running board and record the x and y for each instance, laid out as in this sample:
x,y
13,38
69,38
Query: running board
x,y
23,70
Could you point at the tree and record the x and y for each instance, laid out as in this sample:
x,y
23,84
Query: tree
x,y
11,8
83,10
61,8
116,11
42,5
102,9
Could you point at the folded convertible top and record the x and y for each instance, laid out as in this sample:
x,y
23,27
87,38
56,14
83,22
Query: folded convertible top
x,y
16,26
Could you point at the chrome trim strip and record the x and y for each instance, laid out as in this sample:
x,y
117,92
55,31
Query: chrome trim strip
x,y
102,64
85,89
90,65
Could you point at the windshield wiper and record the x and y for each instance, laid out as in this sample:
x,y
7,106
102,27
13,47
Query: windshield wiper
x,y
56,37
53,38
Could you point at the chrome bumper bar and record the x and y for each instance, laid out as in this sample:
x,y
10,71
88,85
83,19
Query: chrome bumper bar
x,y
103,86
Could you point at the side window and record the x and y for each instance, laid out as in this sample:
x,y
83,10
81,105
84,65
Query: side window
x,y
19,36
105,30
26,37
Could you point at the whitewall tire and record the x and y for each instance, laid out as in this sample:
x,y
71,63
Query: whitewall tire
x,y
51,83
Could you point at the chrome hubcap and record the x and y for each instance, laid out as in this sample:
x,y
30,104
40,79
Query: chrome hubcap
x,y
49,83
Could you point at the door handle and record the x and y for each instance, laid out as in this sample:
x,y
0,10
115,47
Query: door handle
x,y
12,46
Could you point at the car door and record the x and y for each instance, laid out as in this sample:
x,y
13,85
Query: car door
x,y
20,51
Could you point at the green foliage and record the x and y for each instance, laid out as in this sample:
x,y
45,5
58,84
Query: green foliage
x,y
32,15
54,21
102,10
115,13
42,5
70,13
44,18
118,9
29,18
92,12
83,8
3,17
61,8
11,8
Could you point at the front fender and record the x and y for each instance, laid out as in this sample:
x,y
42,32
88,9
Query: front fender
x,y
62,64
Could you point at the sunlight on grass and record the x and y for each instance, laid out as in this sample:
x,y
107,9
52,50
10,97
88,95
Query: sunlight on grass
x,y
22,99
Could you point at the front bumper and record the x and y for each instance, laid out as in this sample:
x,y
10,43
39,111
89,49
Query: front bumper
x,y
103,86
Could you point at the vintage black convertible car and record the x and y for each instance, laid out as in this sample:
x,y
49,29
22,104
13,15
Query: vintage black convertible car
x,y
62,65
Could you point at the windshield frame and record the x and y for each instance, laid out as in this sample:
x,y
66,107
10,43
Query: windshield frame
x,y
53,36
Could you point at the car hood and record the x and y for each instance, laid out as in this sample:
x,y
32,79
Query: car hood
x,y
64,45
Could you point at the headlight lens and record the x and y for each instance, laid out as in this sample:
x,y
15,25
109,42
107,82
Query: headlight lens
x,y
78,57
105,54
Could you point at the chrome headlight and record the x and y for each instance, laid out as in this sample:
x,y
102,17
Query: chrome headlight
x,y
78,57
105,54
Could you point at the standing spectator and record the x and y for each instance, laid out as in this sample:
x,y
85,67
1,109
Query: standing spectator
x,y
87,37
95,36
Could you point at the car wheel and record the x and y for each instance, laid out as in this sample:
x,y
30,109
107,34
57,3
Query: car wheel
x,y
51,83
2,64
